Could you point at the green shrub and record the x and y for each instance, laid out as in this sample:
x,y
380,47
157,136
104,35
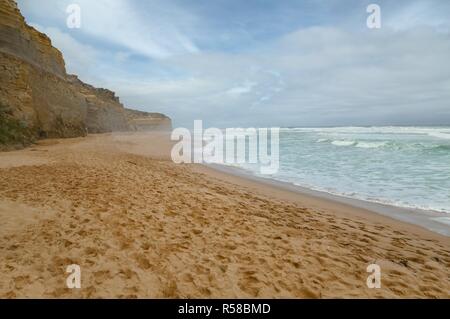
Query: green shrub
x,y
13,132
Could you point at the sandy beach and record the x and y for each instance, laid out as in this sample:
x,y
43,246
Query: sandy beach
x,y
141,226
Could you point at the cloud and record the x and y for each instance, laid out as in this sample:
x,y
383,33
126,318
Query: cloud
x,y
245,88
318,76
143,30
420,13
317,73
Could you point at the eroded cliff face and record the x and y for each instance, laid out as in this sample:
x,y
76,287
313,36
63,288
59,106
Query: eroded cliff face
x,y
144,121
39,99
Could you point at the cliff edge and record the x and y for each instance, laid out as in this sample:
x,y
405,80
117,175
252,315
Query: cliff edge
x,y
38,99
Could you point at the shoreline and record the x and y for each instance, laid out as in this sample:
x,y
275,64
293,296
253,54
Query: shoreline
x,y
422,218
141,226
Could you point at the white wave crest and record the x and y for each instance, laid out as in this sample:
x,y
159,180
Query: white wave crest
x,y
438,132
442,135
343,143
370,144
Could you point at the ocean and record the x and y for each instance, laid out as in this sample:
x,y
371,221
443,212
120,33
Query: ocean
x,y
408,167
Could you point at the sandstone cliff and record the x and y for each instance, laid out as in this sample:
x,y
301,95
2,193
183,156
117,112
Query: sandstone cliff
x,y
144,121
39,99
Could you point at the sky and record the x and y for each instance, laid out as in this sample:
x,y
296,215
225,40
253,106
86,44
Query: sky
x,y
261,63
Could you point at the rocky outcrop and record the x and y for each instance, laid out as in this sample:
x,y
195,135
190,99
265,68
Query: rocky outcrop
x,y
144,121
104,112
39,99
24,42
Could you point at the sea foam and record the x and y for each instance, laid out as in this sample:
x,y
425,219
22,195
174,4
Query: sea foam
x,y
400,166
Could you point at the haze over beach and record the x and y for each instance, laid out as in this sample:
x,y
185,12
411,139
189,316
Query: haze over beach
x,y
225,149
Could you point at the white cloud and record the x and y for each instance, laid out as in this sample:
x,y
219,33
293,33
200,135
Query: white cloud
x,y
119,22
245,88
423,13
314,76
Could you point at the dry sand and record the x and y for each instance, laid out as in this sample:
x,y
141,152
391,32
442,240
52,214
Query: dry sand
x,y
141,226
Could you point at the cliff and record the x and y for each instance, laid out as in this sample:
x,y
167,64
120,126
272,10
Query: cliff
x,y
39,99
144,121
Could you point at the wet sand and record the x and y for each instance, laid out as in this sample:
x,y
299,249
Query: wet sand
x,y
437,222
141,226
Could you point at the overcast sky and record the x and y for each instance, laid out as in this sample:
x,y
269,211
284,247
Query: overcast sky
x,y
261,62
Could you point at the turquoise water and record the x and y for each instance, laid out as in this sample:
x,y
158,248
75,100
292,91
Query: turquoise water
x,y
401,166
